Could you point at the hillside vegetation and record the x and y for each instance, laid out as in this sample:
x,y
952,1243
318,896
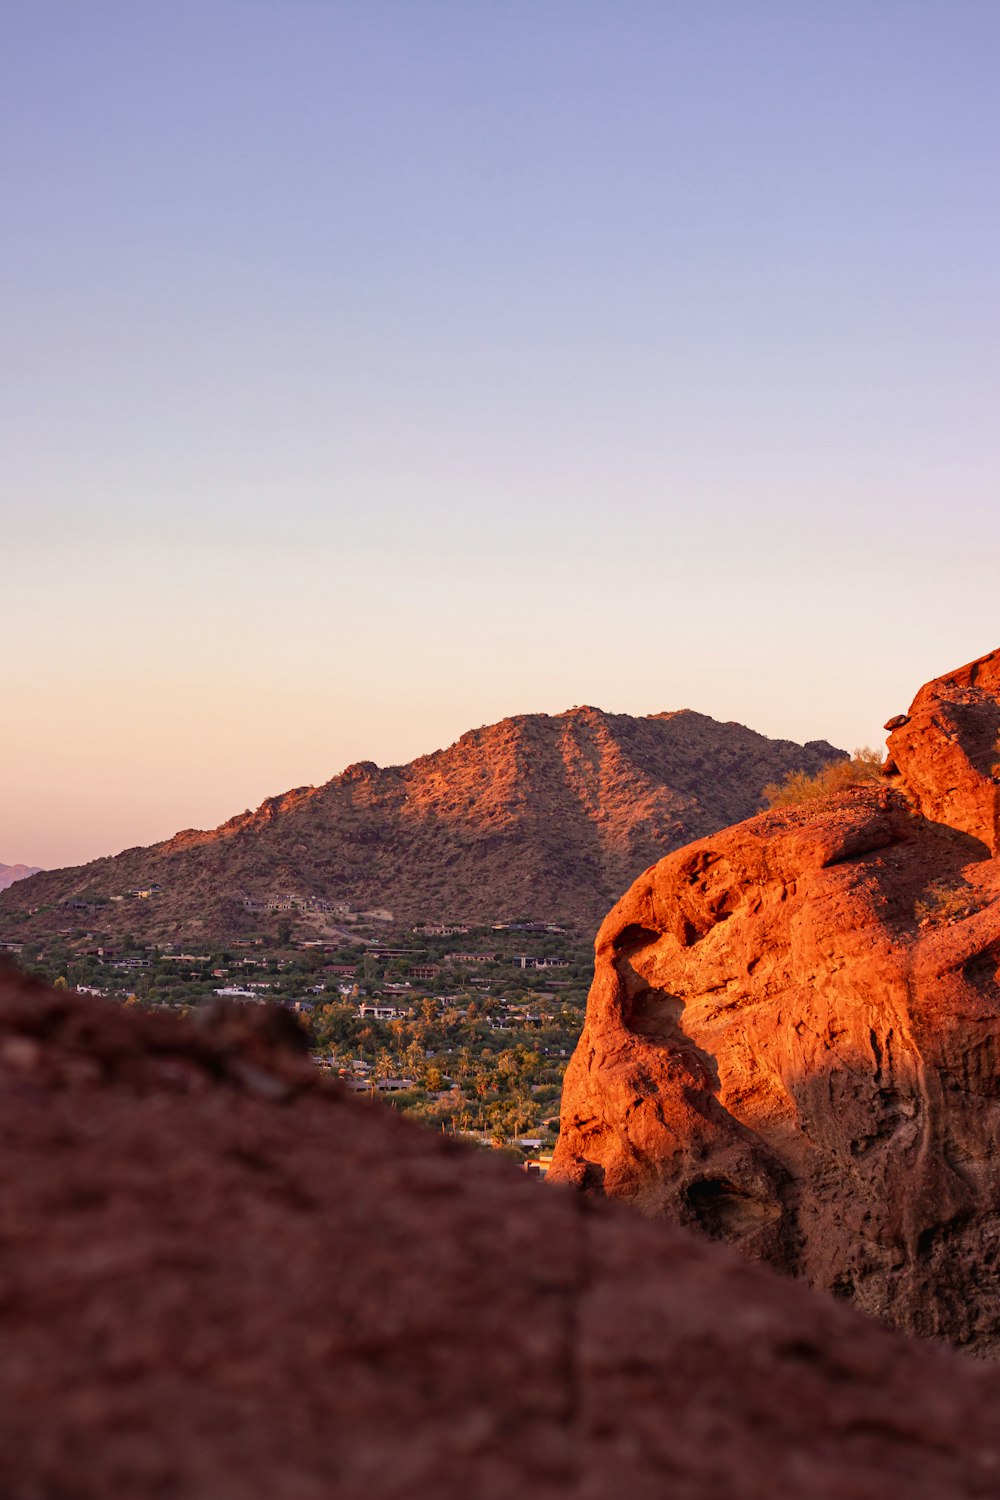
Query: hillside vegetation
x,y
546,815
863,768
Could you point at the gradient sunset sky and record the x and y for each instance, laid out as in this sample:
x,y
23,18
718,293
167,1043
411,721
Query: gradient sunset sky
x,y
378,369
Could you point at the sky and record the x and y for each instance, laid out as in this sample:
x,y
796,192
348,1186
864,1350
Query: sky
x,y
376,369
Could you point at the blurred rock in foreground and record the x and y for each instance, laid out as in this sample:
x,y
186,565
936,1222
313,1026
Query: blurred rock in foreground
x,y
221,1279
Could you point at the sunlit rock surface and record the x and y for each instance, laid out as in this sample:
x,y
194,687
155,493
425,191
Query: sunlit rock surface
x,y
793,1037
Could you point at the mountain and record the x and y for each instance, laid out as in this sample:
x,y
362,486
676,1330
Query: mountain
x,y
225,1277
793,1035
545,816
10,873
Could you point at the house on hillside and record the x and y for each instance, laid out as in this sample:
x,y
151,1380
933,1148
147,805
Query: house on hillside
x,y
375,1011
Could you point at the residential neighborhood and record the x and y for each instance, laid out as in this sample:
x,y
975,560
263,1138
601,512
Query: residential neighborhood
x,y
472,1040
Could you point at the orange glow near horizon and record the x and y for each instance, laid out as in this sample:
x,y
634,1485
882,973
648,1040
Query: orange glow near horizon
x,y
377,372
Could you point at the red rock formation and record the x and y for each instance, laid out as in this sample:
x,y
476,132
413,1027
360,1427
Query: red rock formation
x,y
946,749
793,1036
221,1279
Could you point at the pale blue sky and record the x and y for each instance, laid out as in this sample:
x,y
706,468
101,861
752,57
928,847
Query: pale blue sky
x,y
376,370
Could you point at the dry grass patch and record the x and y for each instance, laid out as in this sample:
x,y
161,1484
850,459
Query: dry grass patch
x,y
863,768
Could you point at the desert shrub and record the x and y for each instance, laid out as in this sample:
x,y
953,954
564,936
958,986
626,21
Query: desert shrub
x,y
941,903
863,768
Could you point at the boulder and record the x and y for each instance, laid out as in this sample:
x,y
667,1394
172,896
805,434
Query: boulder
x,y
946,749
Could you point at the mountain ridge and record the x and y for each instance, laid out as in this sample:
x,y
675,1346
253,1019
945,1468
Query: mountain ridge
x,y
540,815
10,873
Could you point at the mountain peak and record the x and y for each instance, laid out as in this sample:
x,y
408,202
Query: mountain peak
x,y
10,873
547,814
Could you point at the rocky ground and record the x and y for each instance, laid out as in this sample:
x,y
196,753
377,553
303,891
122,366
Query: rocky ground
x,y
220,1278
793,1036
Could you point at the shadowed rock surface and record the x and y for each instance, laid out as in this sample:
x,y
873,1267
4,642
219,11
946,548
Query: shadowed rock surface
x,y
793,1036
547,816
220,1279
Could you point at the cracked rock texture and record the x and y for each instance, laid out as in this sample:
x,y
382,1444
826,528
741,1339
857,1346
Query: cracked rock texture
x,y
220,1279
793,1036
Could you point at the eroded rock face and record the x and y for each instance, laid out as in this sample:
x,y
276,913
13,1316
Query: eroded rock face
x,y
221,1279
947,747
793,1036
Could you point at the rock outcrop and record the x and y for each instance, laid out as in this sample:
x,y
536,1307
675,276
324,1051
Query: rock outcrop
x,y
222,1279
946,749
793,1037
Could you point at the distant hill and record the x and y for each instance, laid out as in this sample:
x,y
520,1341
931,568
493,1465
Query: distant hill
x,y
545,816
10,873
